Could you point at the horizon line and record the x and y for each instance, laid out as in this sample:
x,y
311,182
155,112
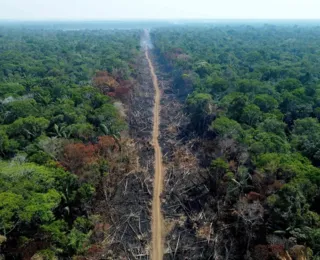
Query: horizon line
x,y
150,19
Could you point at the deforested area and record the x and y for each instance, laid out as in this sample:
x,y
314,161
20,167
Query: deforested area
x,y
72,183
141,140
243,181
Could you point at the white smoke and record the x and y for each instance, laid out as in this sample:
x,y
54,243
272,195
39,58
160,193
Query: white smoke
x,y
145,40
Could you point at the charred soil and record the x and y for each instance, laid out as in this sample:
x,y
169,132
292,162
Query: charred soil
x,y
123,230
197,220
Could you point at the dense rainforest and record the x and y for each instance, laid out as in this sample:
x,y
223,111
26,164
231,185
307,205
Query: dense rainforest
x,y
240,133
60,125
252,94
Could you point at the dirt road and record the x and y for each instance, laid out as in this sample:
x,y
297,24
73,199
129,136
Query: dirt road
x,y
157,243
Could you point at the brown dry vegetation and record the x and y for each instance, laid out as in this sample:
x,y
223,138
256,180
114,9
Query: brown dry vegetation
x,y
202,218
123,228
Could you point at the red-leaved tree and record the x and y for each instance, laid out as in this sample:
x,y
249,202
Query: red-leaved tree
x,y
78,155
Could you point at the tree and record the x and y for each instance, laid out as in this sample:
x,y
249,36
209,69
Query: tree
x,y
200,107
227,128
265,102
215,85
314,239
27,195
107,145
105,82
218,169
248,86
108,119
253,57
77,156
273,125
7,89
264,142
75,240
317,112
306,137
288,85
4,142
203,68
30,127
290,205
295,106
236,107
251,115
19,108
81,131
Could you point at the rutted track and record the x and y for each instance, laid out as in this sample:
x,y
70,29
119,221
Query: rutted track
x,y
157,220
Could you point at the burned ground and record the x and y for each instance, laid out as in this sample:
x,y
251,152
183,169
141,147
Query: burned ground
x,y
198,220
126,195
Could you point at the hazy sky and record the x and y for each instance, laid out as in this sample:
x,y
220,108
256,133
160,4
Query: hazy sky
x,y
166,9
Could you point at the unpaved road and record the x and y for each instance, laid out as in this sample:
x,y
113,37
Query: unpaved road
x,y
157,220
